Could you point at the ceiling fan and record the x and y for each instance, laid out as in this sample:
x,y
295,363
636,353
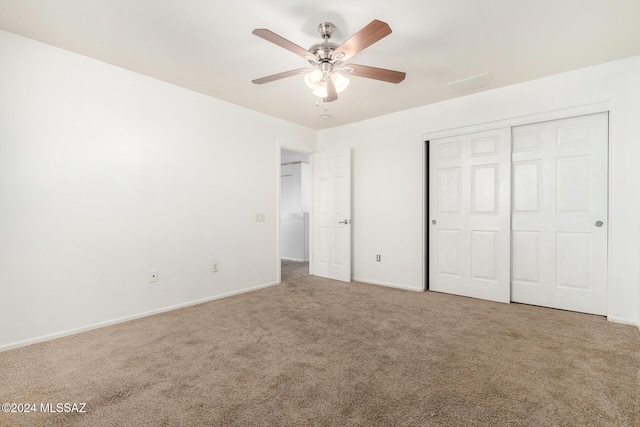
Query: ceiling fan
x,y
328,59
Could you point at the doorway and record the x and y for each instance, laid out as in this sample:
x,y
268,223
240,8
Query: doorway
x,y
295,206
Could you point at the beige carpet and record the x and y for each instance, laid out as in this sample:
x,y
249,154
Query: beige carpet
x,y
313,352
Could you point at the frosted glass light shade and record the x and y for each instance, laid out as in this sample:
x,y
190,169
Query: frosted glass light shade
x,y
313,79
321,90
340,82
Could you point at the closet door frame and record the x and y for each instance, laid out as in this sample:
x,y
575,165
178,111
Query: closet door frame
x,y
513,122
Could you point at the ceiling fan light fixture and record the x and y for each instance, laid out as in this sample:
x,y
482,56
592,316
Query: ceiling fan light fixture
x,y
315,80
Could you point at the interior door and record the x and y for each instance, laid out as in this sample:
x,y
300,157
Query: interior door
x,y
331,215
469,215
560,214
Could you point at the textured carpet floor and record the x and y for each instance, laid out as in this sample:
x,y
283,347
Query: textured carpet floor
x,y
314,352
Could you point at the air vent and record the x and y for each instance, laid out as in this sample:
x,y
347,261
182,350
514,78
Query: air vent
x,y
472,84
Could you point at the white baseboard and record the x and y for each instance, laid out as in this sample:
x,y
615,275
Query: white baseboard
x,y
623,321
389,285
127,318
293,259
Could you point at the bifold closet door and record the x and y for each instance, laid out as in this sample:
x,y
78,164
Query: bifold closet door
x,y
469,215
559,219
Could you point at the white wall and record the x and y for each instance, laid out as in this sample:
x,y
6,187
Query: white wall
x,y
294,236
388,173
106,174
295,185
289,156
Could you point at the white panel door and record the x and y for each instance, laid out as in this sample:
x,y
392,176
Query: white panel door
x,y
559,218
331,215
469,215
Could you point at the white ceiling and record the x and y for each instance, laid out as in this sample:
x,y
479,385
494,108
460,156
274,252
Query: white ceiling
x,y
207,45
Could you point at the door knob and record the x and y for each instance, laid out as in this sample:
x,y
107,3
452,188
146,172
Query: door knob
x,y
599,223
346,221
433,222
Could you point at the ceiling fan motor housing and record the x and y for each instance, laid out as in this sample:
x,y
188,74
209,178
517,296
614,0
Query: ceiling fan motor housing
x,y
324,50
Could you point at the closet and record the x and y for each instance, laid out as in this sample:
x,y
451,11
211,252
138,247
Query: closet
x,y
520,214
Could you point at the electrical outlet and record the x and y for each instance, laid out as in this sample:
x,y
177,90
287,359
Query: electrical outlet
x,y
214,265
153,276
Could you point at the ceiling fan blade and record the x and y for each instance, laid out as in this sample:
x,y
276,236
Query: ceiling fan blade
x,y
282,42
383,74
279,76
332,93
364,38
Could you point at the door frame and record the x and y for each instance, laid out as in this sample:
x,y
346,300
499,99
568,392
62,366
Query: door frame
x,y
600,107
280,146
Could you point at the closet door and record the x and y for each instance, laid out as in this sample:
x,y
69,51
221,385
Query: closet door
x,y
469,215
559,217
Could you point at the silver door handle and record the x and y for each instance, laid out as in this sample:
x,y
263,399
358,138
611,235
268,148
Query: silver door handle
x,y
599,223
434,222
346,221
